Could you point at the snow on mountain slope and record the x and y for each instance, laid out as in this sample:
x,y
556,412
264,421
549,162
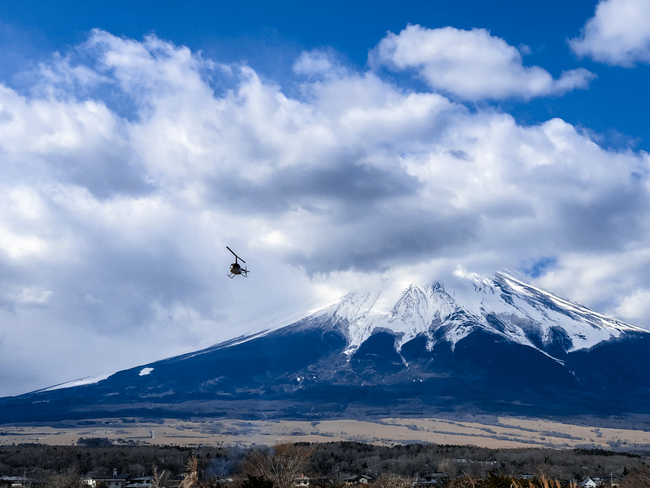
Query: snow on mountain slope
x,y
89,380
525,307
503,305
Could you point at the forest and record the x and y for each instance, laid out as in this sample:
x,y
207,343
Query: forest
x,y
330,463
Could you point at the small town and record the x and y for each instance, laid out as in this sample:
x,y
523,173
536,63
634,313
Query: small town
x,y
333,465
302,481
128,481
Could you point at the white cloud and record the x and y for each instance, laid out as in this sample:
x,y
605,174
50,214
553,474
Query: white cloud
x,y
20,246
618,34
316,62
357,181
471,65
34,296
635,307
21,213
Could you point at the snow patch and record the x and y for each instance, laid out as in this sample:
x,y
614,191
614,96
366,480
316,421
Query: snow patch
x,y
88,380
145,371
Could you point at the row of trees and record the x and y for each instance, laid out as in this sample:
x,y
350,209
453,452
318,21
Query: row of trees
x,y
263,467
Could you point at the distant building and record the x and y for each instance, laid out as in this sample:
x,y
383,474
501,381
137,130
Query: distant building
x,y
143,482
358,479
16,481
433,479
588,483
115,481
222,481
302,481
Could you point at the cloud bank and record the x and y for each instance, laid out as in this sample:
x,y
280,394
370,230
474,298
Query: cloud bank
x,y
472,65
128,166
618,34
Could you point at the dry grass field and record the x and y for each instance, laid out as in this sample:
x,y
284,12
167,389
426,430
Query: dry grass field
x,y
501,432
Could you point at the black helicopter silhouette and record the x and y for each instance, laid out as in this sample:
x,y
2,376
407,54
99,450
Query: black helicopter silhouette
x,y
235,268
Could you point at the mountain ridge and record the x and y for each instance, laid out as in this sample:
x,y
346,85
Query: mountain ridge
x,y
442,311
498,345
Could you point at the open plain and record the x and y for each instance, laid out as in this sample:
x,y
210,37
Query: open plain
x,y
491,432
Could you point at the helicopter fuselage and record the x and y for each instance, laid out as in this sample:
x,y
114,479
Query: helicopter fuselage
x,y
235,268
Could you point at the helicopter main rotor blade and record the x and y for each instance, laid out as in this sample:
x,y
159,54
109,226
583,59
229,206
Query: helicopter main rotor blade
x,y
235,254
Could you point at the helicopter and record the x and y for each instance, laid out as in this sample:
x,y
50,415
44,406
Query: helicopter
x,y
235,268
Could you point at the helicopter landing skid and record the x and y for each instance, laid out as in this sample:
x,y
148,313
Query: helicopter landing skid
x,y
244,273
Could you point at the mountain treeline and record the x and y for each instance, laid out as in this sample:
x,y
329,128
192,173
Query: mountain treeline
x,y
334,461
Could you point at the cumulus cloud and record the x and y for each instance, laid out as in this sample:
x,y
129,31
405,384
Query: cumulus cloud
x,y
318,62
471,65
116,204
618,34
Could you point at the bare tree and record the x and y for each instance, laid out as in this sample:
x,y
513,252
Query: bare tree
x,y
160,479
448,467
637,478
463,482
256,463
67,479
191,479
393,481
288,463
282,464
256,482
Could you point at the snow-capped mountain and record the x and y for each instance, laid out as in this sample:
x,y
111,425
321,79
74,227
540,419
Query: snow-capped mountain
x,y
504,306
497,345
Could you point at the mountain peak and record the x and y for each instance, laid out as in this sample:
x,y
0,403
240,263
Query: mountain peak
x,y
498,344
503,305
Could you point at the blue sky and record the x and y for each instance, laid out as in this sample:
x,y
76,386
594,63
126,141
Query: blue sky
x,y
332,145
269,35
